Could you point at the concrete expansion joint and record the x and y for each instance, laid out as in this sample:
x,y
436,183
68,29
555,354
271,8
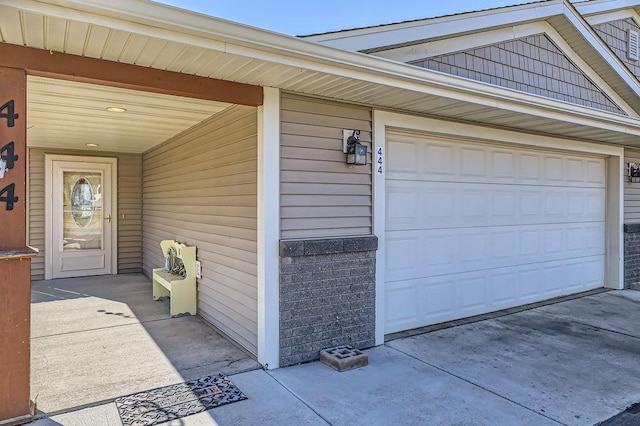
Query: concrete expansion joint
x,y
296,396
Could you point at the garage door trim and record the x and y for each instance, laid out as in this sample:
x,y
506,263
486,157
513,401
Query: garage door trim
x,y
384,121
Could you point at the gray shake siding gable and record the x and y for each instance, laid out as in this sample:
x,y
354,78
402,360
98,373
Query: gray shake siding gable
x,y
614,34
532,64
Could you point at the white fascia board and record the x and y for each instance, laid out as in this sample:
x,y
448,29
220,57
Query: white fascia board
x,y
601,6
610,16
397,34
203,31
439,47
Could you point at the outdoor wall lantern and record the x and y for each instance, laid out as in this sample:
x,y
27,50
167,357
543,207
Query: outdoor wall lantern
x,y
634,172
356,152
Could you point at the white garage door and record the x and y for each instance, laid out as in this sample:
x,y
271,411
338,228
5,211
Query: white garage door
x,y
474,228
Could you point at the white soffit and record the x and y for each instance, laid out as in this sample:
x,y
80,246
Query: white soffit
x,y
162,37
64,114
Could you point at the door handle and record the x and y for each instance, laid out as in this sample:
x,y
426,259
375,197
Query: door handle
x,y
108,218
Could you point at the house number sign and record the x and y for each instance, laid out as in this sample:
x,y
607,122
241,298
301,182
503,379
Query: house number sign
x,y
379,162
7,156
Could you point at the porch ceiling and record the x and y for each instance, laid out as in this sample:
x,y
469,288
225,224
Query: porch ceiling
x,y
157,36
65,114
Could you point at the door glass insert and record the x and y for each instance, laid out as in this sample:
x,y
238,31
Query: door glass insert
x,y
82,210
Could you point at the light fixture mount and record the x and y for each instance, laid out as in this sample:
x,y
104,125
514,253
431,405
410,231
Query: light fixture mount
x,y
356,152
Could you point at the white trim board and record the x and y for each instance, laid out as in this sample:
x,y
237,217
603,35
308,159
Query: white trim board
x,y
365,39
269,229
604,6
383,120
611,16
48,168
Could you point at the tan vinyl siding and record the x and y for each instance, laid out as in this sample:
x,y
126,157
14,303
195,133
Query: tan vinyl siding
x,y
532,64
129,213
35,213
200,188
631,190
320,195
129,203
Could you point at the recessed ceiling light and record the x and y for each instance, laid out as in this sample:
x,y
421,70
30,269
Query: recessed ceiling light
x,y
116,109
92,144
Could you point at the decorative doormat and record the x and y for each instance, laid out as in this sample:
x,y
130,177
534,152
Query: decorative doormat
x,y
176,401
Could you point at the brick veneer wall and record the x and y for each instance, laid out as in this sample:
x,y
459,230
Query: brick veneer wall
x,y
327,296
632,256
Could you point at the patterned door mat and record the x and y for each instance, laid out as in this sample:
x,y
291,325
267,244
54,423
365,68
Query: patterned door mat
x,y
177,401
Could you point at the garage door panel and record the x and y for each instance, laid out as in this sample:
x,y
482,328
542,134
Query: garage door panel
x,y
426,158
596,172
473,228
405,295
402,255
432,300
554,280
426,253
403,205
420,205
529,278
503,164
405,158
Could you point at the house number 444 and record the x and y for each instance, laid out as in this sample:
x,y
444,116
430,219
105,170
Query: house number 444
x,y
8,157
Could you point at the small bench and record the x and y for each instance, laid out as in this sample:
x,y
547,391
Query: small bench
x,y
180,289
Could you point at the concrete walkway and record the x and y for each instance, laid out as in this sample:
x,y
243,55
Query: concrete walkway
x,y
573,363
94,339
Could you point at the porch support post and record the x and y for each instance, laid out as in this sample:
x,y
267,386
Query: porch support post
x,y
15,263
269,229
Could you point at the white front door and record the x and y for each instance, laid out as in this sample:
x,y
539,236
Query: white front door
x,y
80,216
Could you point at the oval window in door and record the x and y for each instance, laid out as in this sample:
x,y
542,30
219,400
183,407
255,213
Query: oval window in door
x,y
82,202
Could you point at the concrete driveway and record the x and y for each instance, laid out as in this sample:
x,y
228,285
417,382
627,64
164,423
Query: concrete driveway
x,y
576,362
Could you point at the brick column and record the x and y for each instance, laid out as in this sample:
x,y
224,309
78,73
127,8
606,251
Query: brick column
x,y
632,256
327,296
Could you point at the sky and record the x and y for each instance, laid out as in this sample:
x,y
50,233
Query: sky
x,y
300,17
